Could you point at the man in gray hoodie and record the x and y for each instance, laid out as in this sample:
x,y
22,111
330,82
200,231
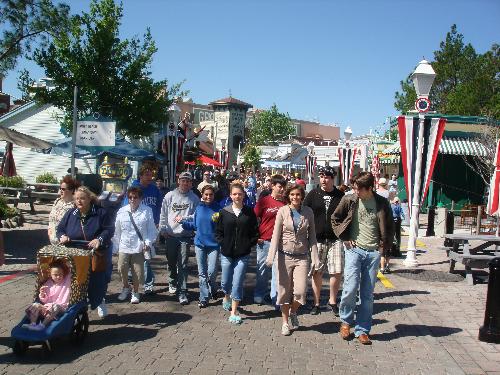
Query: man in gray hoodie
x,y
177,205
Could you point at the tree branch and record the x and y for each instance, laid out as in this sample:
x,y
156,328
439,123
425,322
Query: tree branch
x,y
18,41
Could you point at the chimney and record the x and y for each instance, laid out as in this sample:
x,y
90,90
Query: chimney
x,y
4,100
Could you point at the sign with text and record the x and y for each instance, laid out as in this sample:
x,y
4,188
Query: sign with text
x,y
95,133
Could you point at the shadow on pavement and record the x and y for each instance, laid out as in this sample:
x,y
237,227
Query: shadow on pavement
x,y
415,330
399,293
391,306
21,245
64,352
143,318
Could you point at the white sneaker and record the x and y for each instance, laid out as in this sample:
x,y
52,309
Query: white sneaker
x,y
172,289
102,309
135,298
124,294
294,319
285,330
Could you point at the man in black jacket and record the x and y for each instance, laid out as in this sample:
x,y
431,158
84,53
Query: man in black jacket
x,y
362,220
323,200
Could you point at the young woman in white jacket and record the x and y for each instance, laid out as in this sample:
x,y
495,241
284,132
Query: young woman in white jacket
x,y
134,242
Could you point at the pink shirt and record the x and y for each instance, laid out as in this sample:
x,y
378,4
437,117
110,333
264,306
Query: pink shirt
x,y
57,294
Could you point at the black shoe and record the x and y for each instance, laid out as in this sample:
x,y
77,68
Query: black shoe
x,y
218,295
315,310
335,309
202,304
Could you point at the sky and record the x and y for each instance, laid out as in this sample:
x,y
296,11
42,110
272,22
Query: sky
x,y
337,62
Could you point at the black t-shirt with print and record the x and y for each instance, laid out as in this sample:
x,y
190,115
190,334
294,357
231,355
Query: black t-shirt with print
x,y
323,205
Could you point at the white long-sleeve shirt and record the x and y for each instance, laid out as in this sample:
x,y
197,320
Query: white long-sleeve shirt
x,y
126,239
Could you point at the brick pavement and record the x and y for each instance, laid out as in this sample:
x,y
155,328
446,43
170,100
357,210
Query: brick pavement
x,y
420,327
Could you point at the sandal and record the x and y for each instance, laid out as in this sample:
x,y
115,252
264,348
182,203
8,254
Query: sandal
x,y
226,305
235,319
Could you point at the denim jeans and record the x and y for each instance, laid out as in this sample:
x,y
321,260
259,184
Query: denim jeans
x,y
262,273
206,258
233,275
360,271
177,259
149,276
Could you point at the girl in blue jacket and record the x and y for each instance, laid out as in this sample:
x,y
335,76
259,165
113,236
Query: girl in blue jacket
x,y
206,247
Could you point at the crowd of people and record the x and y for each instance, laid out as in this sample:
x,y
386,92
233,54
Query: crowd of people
x,y
348,232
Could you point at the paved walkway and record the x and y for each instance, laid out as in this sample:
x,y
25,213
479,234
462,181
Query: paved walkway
x,y
420,327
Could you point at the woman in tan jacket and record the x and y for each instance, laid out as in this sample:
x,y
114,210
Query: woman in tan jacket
x,y
293,238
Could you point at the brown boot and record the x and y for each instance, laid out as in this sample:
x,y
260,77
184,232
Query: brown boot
x,y
345,331
364,339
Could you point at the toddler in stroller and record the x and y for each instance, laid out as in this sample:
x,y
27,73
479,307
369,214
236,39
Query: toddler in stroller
x,y
53,296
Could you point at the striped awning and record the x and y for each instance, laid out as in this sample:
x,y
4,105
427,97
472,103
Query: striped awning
x,y
451,146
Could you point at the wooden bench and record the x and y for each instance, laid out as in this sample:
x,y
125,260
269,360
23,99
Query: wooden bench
x,y
45,195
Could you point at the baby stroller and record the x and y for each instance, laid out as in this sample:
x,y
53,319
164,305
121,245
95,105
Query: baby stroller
x,y
74,322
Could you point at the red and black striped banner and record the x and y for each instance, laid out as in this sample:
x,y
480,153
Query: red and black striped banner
x,y
173,147
310,166
408,127
347,157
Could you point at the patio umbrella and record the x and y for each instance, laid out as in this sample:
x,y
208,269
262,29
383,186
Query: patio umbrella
x,y
205,160
8,168
494,195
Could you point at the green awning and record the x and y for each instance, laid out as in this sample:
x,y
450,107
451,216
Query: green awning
x,y
451,146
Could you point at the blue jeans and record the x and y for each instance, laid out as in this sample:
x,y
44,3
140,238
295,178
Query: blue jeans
x,y
149,276
262,273
177,259
206,258
360,271
233,275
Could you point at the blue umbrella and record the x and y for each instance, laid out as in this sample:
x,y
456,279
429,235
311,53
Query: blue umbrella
x,y
122,148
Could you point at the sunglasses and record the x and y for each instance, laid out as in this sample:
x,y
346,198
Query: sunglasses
x,y
63,189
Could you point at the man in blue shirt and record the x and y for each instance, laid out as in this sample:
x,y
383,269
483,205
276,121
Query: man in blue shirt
x,y
151,197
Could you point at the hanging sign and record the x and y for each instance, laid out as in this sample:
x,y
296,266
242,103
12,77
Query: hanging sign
x,y
95,133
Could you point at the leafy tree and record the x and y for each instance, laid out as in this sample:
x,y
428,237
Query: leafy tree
x,y
466,83
25,84
25,23
270,126
251,156
113,75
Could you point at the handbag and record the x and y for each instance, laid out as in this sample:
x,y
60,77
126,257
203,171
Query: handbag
x,y
99,261
153,253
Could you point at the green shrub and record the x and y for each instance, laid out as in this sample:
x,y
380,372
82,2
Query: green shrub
x,y
15,181
47,178
6,211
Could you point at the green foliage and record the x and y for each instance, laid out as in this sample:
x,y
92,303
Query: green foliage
x,y
5,210
15,181
46,178
25,23
251,156
25,84
467,83
270,126
113,75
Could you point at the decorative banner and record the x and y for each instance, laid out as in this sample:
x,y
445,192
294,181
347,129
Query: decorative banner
x,y
173,148
375,169
494,195
221,157
408,127
310,166
346,157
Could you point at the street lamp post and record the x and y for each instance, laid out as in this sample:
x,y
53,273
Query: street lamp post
x,y
347,135
422,77
310,166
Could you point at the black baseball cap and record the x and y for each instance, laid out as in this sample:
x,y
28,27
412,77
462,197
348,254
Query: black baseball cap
x,y
327,171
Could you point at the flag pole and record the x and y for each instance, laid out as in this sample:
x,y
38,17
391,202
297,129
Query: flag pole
x,y
411,253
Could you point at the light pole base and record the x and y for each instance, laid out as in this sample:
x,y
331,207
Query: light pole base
x,y
411,259
310,187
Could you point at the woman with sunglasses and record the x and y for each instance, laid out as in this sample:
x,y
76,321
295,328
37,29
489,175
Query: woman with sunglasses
x,y
64,203
294,237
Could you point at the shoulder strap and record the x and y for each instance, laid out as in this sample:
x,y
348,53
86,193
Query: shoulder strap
x,y
135,226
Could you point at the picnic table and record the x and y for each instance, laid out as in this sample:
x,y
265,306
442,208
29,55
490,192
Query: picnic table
x,y
18,195
50,191
477,256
